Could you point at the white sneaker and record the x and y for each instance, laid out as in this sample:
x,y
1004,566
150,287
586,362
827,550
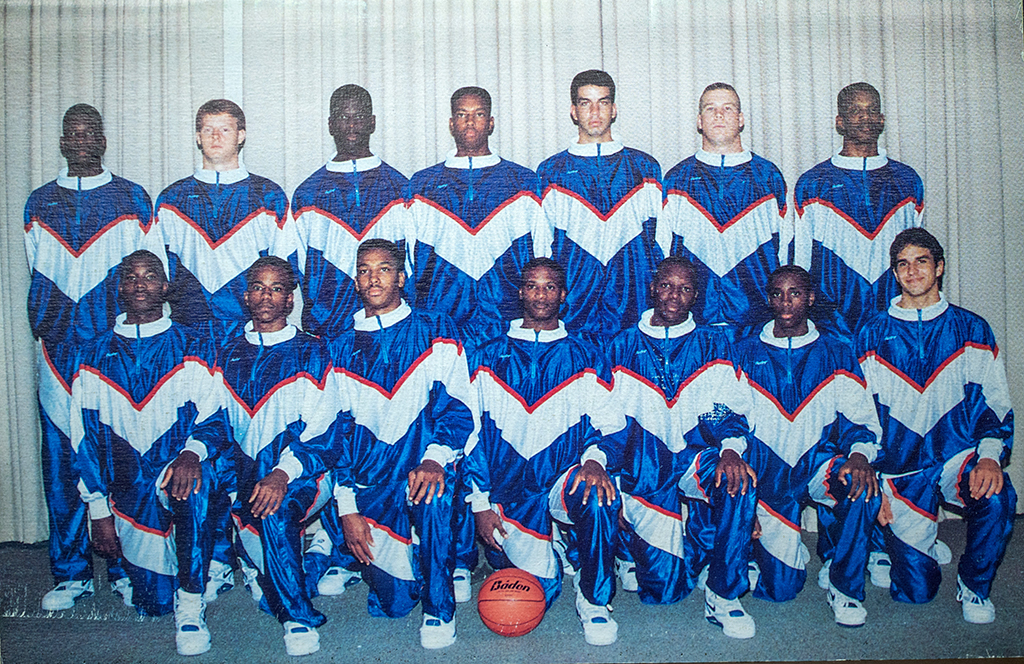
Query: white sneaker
x,y
192,636
251,579
335,580
626,571
976,610
220,579
728,614
463,589
702,578
823,580
300,639
753,574
879,566
560,547
599,628
123,587
943,555
321,544
64,595
435,634
848,611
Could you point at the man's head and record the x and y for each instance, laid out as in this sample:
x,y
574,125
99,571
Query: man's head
x,y
380,275
720,119
220,132
542,292
142,286
593,105
471,124
268,293
673,291
860,120
83,142
351,121
791,296
918,261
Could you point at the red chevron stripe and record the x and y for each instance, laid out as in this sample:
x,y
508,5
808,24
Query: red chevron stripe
x,y
721,228
657,508
519,526
392,534
810,397
908,503
362,380
152,393
783,520
224,238
550,394
266,397
337,220
92,240
669,402
138,526
938,370
469,229
850,220
590,206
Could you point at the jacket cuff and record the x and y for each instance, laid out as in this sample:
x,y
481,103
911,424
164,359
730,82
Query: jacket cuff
x,y
291,466
99,508
990,448
737,444
199,448
442,454
346,499
479,502
869,450
594,453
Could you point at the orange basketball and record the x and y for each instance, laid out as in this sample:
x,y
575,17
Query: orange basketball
x,y
511,602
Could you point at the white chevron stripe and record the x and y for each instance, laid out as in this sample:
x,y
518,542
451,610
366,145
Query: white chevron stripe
x,y
390,554
781,541
910,526
53,394
656,528
286,404
338,242
867,257
528,552
721,251
951,476
146,549
817,487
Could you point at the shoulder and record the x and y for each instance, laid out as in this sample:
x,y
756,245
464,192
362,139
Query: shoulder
x,y
643,160
553,164
390,172
512,170
427,176
42,194
177,189
265,185
307,188
681,171
823,171
975,327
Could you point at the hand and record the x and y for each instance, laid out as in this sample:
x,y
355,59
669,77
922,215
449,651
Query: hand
x,y
104,538
184,475
268,493
861,477
885,513
756,534
486,523
358,536
986,479
737,471
424,480
597,478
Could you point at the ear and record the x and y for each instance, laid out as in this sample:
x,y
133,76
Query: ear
x,y
881,123
373,123
840,129
743,121
940,268
572,114
163,291
490,126
289,303
241,137
451,126
615,111
700,125
199,143
245,297
561,297
401,279
810,299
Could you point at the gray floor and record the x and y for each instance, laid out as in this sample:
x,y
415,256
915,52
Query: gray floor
x,y
101,629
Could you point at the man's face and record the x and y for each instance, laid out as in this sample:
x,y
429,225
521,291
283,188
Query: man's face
x,y
673,291
791,301
269,300
83,142
379,281
861,120
542,295
593,112
720,120
917,273
351,127
142,289
219,137
471,124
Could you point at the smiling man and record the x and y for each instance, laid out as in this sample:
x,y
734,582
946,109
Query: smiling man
x,y
724,210
677,437
942,398
544,400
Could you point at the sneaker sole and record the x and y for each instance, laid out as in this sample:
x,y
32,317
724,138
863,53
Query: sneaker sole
x,y
187,651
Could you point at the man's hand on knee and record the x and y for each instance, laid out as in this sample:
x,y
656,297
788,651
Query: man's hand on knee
x,y
426,480
487,522
595,477
358,536
861,477
184,475
986,480
104,537
738,473
268,494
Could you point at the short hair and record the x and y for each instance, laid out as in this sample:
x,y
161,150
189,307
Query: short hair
x,y
790,271
720,86
140,256
544,261
379,243
272,263
917,237
846,95
82,112
352,92
677,262
218,106
471,91
595,77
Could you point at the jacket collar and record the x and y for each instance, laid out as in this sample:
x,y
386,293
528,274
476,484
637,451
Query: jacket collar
x,y
784,342
928,313
222,177
658,332
364,324
860,163
729,160
129,331
269,338
353,165
591,149
517,331
465,163
83,184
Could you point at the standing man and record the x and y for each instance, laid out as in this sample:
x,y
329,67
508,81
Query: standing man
x,y
402,374
543,400
77,229
678,438
601,200
140,392
850,208
814,438
941,394
476,219
724,209
354,197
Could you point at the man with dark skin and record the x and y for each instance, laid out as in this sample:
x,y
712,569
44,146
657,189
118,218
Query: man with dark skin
x,y
814,436
679,438
164,368
534,464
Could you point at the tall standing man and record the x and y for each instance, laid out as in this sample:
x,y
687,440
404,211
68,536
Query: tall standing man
x,y
724,210
850,208
940,390
601,200
77,229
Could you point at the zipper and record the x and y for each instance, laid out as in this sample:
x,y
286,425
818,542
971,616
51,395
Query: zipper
x,y
355,176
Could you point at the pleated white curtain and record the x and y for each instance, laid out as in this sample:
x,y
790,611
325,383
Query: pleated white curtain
x,y
949,71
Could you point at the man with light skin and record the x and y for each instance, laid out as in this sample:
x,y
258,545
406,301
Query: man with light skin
x,y
601,201
402,376
543,397
940,390
724,211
